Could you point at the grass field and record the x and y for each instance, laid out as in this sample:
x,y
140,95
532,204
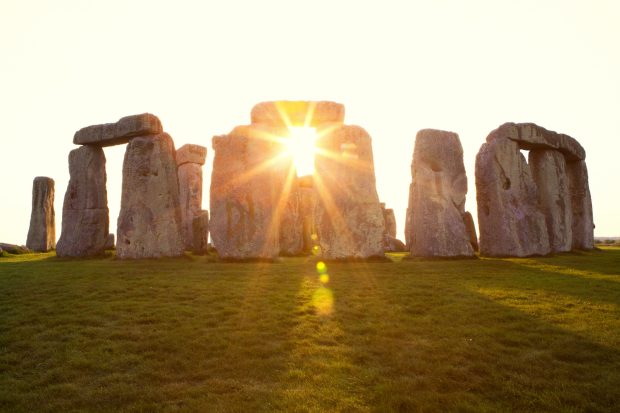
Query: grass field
x,y
190,334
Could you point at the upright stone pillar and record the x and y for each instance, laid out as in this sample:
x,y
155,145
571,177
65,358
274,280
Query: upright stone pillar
x,y
548,168
190,159
439,188
348,215
581,203
149,223
85,219
42,231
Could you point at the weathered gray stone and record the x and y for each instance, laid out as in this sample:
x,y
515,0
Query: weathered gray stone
x,y
190,195
109,242
408,223
14,249
246,199
85,219
530,136
390,222
297,113
548,169
109,134
439,188
468,220
191,153
581,204
200,232
42,231
348,215
149,223
392,244
509,216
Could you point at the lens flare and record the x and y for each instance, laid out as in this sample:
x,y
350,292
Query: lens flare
x,y
323,301
321,267
324,278
301,147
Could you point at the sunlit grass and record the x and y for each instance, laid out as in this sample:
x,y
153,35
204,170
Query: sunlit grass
x,y
196,335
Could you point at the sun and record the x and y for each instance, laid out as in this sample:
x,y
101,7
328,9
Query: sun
x,y
301,147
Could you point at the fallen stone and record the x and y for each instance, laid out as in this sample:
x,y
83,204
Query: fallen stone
x,y
392,244
42,231
510,220
14,249
85,219
149,223
548,169
530,136
297,113
581,204
190,153
439,188
118,133
200,233
348,216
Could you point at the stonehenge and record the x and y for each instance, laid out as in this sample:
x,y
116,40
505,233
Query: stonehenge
x,y
534,208
261,209
42,231
436,213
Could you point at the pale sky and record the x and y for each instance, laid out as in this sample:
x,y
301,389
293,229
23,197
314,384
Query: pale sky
x,y
397,66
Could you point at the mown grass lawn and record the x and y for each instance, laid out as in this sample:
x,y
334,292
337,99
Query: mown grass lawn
x,y
488,335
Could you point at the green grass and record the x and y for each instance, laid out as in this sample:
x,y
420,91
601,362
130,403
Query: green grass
x,y
489,335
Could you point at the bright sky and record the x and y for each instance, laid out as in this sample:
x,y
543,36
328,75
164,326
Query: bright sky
x,y
398,66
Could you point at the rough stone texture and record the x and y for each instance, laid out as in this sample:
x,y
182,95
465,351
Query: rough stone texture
x,y
348,215
548,169
438,190
291,223
85,219
149,223
468,220
42,231
581,203
530,136
191,154
246,194
394,245
408,216
190,195
109,134
509,216
14,249
297,113
109,242
200,232
390,222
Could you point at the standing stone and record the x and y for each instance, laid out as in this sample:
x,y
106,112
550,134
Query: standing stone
x,y
581,203
348,215
308,199
200,232
438,190
190,159
246,199
291,223
548,168
42,231
149,223
408,216
85,220
509,216
297,113
468,220
109,243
